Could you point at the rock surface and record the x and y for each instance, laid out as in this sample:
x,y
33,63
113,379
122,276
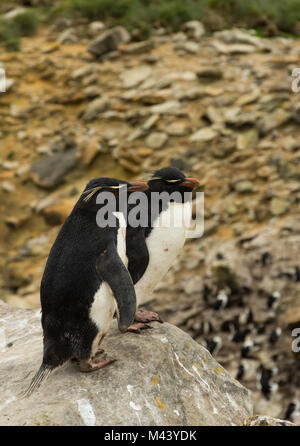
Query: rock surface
x,y
161,377
50,170
261,420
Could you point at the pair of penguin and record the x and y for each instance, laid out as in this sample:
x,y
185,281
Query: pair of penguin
x,y
94,272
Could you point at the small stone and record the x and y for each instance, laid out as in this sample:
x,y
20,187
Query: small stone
x,y
290,143
189,93
56,214
238,229
53,46
247,140
35,246
92,92
210,73
279,206
248,98
205,135
16,274
179,37
150,122
96,27
168,107
109,41
264,172
131,167
138,47
9,83
238,36
21,135
14,13
188,47
137,133
8,187
156,140
90,151
133,77
83,71
232,210
263,420
194,29
234,48
144,151
214,114
50,170
273,120
67,36
15,222
236,117
96,107
244,187
10,165
221,151
20,108
177,129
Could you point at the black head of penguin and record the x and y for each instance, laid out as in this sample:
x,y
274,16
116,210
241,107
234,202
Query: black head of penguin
x,y
170,179
89,201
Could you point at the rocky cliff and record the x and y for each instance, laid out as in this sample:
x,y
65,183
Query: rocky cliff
x,y
85,101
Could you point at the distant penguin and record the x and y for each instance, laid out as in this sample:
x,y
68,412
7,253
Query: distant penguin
x,y
213,345
248,347
274,335
85,281
149,264
292,408
273,300
264,380
221,301
242,369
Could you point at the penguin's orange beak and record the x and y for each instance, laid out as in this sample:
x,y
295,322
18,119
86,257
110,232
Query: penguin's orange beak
x,y
191,183
139,186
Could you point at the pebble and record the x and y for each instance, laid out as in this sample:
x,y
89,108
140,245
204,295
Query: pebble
x,y
156,140
203,135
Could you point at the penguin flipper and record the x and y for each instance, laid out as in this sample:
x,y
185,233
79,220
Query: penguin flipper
x,y
112,270
137,252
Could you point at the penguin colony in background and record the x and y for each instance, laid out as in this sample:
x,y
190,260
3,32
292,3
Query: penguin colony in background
x,y
93,273
241,331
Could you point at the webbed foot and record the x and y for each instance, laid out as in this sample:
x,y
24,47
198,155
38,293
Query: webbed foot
x,y
96,362
147,316
138,327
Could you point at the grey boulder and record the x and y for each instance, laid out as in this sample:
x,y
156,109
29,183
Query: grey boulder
x,y
50,171
161,377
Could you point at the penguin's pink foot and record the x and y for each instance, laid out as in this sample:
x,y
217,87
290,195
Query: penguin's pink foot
x,y
147,316
96,362
136,328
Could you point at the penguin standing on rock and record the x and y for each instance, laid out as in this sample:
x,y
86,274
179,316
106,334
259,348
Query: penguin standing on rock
x,y
165,234
86,281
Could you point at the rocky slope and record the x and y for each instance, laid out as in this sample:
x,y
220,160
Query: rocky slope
x,y
219,107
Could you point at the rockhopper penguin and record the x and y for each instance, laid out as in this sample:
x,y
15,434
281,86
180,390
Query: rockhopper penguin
x,y
85,282
148,263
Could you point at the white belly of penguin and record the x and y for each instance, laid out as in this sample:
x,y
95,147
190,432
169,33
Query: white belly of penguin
x,y
104,305
164,244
